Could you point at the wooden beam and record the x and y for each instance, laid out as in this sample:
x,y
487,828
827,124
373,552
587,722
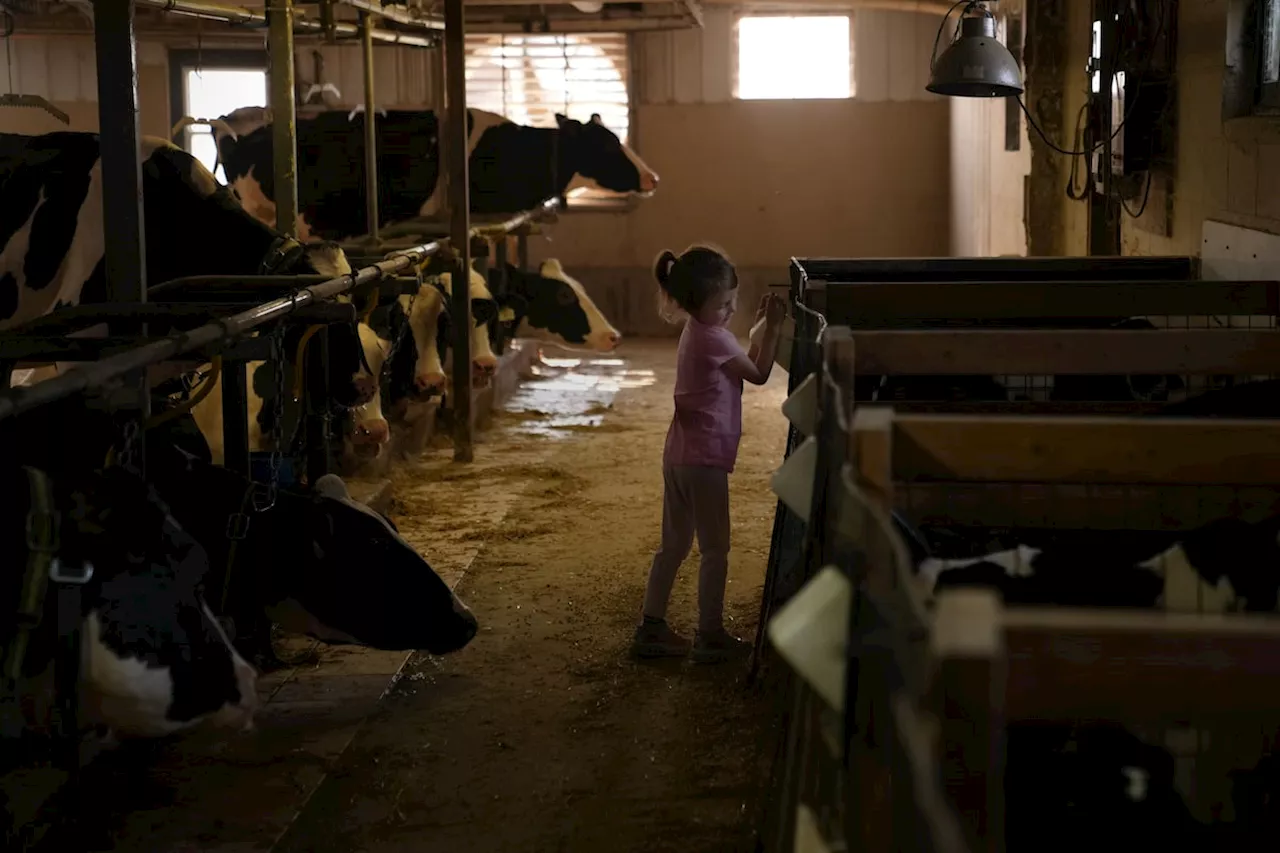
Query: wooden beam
x,y
1012,449
872,304
1089,664
1103,352
1012,664
1130,268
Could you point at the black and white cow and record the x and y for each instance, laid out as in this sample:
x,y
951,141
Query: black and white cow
x,y
323,564
550,305
155,661
52,241
1221,566
512,167
1094,786
317,561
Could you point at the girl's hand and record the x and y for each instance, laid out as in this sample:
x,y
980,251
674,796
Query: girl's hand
x,y
762,308
775,310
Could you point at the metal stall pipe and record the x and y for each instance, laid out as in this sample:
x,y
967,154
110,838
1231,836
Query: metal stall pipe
x,y
455,150
370,130
97,374
115,48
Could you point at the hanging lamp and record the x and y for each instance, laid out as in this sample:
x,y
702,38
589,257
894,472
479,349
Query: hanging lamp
x,y
976,65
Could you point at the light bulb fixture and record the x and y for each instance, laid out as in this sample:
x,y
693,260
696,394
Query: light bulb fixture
x,y
976,65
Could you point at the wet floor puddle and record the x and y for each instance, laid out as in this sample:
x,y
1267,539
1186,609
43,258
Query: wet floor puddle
x,y
566,394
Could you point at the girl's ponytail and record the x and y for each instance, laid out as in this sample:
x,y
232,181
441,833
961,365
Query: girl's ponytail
x,y
662,267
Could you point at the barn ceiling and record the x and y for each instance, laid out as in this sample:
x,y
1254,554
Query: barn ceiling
x,y
422,19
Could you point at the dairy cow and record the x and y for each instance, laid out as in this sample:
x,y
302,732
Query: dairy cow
x,y
511,167
297,558
550,305
52,239
154,659
366,431
51,225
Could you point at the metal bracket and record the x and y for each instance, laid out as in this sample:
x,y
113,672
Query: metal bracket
x,y
72,577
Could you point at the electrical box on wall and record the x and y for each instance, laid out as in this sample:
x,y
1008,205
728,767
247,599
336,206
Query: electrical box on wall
x,y
1143,95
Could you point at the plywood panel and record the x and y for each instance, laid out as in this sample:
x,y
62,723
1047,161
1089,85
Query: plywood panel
x,y
871,55
686,48
653,68
904,61
718,56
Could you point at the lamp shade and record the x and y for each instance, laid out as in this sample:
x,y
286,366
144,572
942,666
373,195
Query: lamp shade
x,y
976,65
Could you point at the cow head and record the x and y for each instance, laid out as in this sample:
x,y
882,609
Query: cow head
x,y
600,157
419,367
484,310
369,427
155,661
358,581
550,305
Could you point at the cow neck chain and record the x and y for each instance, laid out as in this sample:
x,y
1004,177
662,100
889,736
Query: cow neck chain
x,y
128,448
264,500
260,497
404,330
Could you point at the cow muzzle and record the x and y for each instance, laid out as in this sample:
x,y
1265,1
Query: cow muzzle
x,y
371,433
605,341
429,384
648,182
482,371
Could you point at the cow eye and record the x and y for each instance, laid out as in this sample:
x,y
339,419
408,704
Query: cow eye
x,y
566,297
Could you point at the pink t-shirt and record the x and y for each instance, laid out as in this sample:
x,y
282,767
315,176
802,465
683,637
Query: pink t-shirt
x,y
708,418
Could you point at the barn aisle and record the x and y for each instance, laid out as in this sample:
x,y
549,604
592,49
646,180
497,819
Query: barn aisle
x,y
543,735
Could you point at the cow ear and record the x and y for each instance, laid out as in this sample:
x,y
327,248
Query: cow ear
x,y
561,119
595,119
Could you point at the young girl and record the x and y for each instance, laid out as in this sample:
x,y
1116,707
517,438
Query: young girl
x,y
702,445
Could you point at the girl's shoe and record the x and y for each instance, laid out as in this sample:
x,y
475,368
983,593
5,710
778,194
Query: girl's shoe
x,y
657,640
714,647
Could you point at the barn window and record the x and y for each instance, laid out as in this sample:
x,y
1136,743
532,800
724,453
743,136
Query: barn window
x,y
767,45
208,84
530,78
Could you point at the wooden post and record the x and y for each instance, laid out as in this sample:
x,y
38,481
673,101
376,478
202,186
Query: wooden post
x,y
455,148
968,644
126,251
284,127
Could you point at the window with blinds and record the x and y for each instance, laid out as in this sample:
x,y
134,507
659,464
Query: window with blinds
x,y
530,78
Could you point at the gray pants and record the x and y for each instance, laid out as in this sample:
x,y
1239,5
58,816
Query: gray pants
x,y
695,499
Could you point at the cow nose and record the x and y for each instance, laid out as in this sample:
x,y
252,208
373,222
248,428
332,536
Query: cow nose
x,y
428,382
614,337
648,182
373,432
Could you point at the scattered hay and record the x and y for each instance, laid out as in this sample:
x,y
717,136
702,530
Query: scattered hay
x,y
507,533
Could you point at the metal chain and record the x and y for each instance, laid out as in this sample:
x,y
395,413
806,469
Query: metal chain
x,y
265,498
404,329
126,455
